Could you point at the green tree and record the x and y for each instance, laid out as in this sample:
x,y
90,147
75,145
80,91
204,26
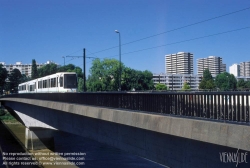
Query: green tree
x,y
71,68
94,84
130,80
48,69
34,73
78,71
232,82
3,77
241,84
147,80
24,78
160,86
66,68
207,75
226,81
80,85
138,80
210,84
104,75
186,86
207,81
247,86
15,79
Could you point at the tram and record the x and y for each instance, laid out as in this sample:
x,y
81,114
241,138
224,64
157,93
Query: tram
x,y
59,82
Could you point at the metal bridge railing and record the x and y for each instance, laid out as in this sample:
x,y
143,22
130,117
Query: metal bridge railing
x,y
222,106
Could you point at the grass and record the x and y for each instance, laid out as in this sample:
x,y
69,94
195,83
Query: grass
x,y
6,116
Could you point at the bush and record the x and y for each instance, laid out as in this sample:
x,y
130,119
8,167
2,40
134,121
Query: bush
x,y
6,116
2,112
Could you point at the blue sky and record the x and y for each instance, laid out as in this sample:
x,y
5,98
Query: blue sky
x,y
49,29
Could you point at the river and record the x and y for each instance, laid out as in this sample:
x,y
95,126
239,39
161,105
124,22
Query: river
x,y
94,154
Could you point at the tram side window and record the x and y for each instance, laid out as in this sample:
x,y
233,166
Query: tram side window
x,y
32,87
48,83
44,83
40,84
61,81
53,82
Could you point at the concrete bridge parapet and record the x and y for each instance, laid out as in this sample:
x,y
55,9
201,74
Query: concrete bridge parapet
x,y
154,136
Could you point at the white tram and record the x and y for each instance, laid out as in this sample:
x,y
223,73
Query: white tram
x,y
59,82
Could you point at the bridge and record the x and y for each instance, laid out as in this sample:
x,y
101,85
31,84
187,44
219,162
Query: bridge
x,y
189,129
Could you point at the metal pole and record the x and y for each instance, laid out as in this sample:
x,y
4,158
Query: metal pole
x,y
120,66
84,70
120,63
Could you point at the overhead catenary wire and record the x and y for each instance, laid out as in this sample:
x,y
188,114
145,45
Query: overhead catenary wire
x,y
187,40
192,39
182,27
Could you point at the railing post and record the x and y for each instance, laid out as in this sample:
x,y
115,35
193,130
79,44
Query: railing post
x,y
219,107
223,106
230,108
234,109
226,106
199,106
238,108
208,106
242,108
247,108
215,106
195,105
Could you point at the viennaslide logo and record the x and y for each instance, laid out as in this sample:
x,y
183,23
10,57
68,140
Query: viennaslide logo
x,y
233,157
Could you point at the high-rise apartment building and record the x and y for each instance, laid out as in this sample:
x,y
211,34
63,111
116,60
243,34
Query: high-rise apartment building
x,y
213,63
179,63
245,68
23,68
235,70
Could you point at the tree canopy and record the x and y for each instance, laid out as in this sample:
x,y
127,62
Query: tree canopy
x,y
71,68
34,73
14,79
161,86
3,77
186,86
137,80
207,81
48,69
242,84
226,81
104,76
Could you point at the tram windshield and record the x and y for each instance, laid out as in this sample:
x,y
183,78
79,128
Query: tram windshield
x,y
70,81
